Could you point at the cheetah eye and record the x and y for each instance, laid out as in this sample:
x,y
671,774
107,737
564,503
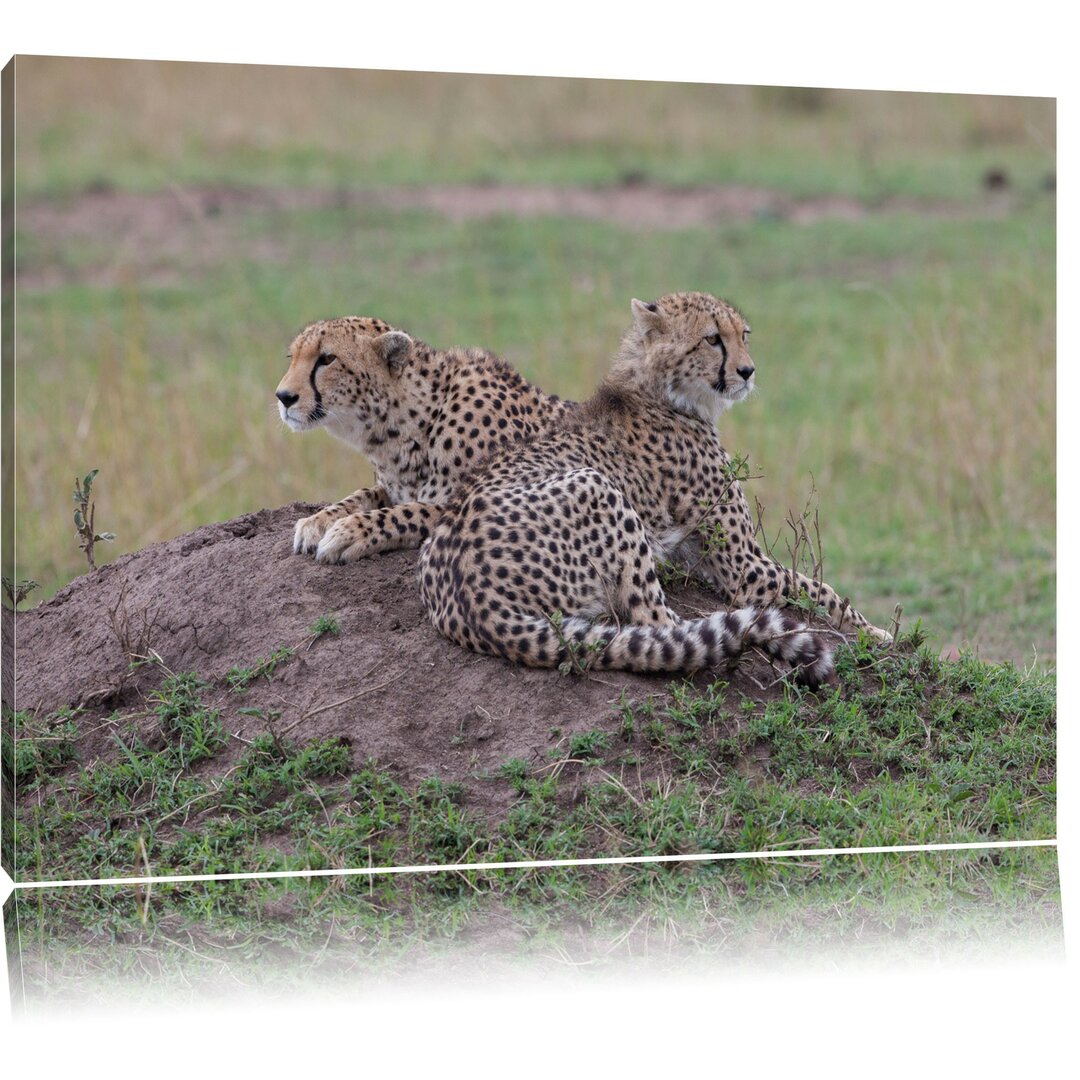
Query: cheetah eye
x,y
745,334
325,358
713,340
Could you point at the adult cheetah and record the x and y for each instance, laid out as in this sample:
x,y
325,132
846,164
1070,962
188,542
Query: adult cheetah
x,y
422,416
549,552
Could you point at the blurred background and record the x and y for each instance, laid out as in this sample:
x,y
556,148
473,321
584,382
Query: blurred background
x,y
177,223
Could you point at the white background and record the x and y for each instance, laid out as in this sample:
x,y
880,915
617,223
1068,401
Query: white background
x,y
1009,1020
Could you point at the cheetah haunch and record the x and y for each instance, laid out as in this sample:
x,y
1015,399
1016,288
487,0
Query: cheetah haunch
x,y
423,416
549,553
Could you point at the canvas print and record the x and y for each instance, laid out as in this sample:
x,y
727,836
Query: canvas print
x,y
410,469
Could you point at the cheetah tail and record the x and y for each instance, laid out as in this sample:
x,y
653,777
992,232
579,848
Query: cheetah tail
x,y
714,641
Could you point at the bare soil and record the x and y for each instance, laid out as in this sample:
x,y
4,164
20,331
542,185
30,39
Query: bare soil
x,y
230,594
159,232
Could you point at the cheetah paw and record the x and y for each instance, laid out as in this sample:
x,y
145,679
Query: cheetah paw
x,y
308,532
340,544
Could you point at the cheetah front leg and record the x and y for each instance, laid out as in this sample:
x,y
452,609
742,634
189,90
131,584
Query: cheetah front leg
x,y
745,575
370,531
765,577
309,531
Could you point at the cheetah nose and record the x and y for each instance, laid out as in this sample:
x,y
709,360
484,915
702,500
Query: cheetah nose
x,y
286,398
745,372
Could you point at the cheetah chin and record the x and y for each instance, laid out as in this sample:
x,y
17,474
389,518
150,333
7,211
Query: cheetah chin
x,y
294,423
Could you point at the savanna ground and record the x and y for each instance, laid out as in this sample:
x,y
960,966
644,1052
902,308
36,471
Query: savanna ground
x,y
894,252
175,943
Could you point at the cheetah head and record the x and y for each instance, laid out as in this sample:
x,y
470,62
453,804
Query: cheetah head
x,y
342,373
693,348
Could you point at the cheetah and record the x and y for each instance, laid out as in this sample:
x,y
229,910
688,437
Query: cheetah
x,y
550,551
422,416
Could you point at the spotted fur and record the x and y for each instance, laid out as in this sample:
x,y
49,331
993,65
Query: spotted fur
x,y
549,552
422,416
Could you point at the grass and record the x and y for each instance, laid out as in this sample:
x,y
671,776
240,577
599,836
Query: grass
x,y
907,749
42,748
112,942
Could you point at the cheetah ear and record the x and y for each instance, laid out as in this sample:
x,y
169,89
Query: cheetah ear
x,y
649,318
395,348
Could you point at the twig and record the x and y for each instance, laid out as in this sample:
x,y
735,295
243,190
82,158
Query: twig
x,y
344,701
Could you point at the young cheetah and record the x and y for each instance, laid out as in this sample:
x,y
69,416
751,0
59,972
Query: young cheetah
x,y
572,522
423,417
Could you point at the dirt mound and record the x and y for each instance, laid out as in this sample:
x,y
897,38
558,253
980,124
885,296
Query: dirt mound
x,y
232,594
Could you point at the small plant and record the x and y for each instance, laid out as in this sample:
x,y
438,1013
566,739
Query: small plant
x,y
803,602
321,757
580,655
433,790
41,749
374,787
714,537
516,772
324,624
182,714
84,518
16,594
804,544
239,679
588,745
133,629
914,637
626,710
670,574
